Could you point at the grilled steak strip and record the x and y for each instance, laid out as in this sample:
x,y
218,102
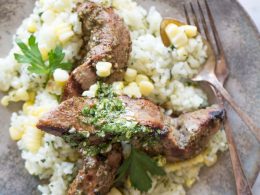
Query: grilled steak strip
x,y
68,116
180,138
188,134
98,173
106,38
65,117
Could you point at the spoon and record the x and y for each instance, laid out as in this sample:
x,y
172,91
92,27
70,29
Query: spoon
x,y
207,72
241,180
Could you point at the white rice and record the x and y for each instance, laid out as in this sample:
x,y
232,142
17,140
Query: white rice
x,y
48,156
14,77
161,64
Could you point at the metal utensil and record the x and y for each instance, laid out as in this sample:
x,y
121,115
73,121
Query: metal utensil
x,y
221,70
208,73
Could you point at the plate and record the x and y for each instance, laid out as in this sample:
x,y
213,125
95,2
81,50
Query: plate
x,y
241,42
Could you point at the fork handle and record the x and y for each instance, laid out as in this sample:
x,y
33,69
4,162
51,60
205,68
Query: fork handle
x,y
248,121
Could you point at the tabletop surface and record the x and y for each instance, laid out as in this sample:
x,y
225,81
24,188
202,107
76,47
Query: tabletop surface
x,y
253,9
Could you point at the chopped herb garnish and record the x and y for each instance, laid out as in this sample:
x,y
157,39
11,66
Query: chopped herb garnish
x,y
32,56
172,47
74,139
139,167
40,14
107,116
95,150
105,90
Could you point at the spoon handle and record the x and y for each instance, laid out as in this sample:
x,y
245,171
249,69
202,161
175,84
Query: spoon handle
x,y
248,121
242,185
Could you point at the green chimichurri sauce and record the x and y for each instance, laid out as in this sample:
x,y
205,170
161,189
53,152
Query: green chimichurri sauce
x,y
106,117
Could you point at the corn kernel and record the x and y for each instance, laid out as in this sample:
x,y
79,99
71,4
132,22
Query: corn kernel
x,y
114,191
44,53
64,32
132,90
37,112
190,31
33,139
31,96
130,75
61,28
141,77
16,134
32,27
172,30
21,94
66,36
146,87
179,40
103,69
5,101
118,87
190,182
60,76
26,107
91,92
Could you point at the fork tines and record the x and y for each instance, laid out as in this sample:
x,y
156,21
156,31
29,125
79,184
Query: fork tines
x,y
201,17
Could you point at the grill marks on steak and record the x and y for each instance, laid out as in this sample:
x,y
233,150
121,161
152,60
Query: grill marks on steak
x,y
106,38
180,138
98,173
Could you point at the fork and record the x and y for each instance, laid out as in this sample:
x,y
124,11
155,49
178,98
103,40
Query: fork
x,y
221,71
217,57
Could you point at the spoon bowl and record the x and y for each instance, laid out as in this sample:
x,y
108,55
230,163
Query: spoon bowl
x,y
209,65
165,22
207,72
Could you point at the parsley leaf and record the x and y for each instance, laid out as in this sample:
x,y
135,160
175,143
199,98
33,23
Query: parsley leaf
x,y
32,55
137,166
56,57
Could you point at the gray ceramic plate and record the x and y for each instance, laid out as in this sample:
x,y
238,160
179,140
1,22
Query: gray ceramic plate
x,y
242,46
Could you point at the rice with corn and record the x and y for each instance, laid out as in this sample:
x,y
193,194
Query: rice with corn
x,y
155,72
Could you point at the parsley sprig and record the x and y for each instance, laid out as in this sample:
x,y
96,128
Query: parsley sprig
x,y
139,167
31,55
